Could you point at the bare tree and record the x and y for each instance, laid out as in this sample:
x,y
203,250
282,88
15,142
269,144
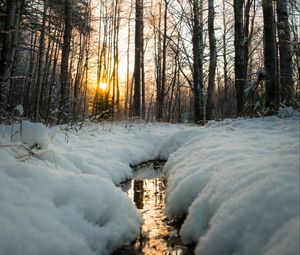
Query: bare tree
x,y
270,56
197,65
212,60
64,85
138,57
38,87
10,40
239,62
161,89
128,87
285,54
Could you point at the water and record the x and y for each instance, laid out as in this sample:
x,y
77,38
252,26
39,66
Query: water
x,y
147,191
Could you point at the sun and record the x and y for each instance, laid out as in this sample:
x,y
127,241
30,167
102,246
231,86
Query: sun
x,y
103,85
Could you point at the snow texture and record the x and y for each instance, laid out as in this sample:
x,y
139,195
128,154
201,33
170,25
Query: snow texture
x,y
237,183
34,134
19,108
75,207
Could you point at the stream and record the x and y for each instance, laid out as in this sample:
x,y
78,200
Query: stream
x,y
157,235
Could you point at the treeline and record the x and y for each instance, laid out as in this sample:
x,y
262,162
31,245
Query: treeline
x,y
44,58
169,60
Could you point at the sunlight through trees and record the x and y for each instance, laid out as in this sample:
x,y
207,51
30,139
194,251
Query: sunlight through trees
x,y
169,60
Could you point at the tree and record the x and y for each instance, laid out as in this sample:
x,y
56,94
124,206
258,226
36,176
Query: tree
x,y
285,54
10,40
270,56
38,87
239,59
64,71
226,29
138,57
197,64
51,54
161,89
128,87
212,60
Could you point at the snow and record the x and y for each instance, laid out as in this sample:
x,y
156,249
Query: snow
x,y
19,108
63,199
48,213
236,181
285,240
34,134
287,111
238,184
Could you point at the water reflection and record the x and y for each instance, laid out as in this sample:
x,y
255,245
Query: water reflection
x,y
138,193
147,191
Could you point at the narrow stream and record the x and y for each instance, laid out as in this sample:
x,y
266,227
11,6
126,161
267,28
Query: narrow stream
x,y
147,191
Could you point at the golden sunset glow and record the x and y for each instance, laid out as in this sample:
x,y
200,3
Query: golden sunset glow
x,y
103,85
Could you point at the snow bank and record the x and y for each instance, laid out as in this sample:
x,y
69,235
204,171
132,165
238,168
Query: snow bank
x,y
109,151
34,135
47,212
62,199
238,183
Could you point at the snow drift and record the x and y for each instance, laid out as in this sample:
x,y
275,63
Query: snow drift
x,y
238,183
63,199
47,212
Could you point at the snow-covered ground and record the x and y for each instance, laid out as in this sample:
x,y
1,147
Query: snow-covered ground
x,y
237,181
63,200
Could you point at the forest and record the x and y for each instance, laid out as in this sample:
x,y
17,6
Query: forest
x,y
65,61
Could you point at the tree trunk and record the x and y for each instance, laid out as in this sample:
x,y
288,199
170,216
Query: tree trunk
x,y
286,64
161,92
239,59
212,60
38,86
225,96
30,74
117,59
143,88
138,58
158,58
64,72
52,80
197,65
78,78
10,39
173,84
270,56
128,63
247,36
